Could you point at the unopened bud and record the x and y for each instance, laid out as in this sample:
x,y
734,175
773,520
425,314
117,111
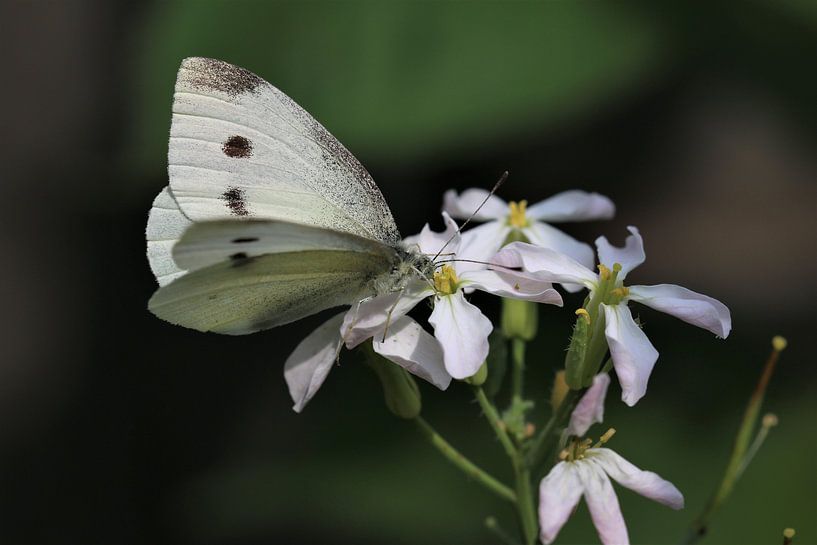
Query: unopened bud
x,y
480,377
788,536
779,343
559,391
399,388
770,420
520,319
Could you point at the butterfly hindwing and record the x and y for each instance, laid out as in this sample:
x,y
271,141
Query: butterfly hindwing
x,y
247,294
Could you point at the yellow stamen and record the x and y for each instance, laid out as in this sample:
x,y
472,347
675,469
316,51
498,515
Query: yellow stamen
x,y
584,314
516,217
779,343
617,267
564,454
445,280
606,437
789,533
604,272
623,291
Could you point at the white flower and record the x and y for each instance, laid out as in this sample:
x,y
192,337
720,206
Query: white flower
x,y
459,326
632,353
460,341
504,218
587,471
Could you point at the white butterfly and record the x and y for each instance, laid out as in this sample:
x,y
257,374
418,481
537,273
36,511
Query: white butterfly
x,y
267,218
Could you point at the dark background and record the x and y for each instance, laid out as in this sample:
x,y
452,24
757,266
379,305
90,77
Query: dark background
x,y
699,122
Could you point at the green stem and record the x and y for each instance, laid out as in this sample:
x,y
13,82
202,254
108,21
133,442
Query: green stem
x,y
524,501
544,440
467,466
518,356
492,415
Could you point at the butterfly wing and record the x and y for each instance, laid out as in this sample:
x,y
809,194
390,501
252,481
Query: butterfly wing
x,y
166,223
245,276
241,149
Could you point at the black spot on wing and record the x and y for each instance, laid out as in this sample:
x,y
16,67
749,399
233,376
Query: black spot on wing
x,y
237,147
239,259
213,74
243,240
234,198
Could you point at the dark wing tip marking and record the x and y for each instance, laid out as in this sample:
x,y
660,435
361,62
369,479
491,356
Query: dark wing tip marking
x,y
213,74
237,147
234,199
239,259
243,240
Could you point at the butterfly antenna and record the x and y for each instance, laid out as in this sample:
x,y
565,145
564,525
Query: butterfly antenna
x,y
490,194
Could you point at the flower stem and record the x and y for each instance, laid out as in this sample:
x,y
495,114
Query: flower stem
x,y
492,415
518,356
467,466
524,501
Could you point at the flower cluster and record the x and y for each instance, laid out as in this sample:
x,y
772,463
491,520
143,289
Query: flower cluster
x,y
516,254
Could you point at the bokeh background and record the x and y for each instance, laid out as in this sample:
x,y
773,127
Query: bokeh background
x,y
699,120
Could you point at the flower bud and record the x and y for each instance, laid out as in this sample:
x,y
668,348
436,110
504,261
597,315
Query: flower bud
x,y
480,377
559,391
399,388
520,319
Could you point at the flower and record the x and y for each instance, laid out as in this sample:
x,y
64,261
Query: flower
x,y
586,471
459,345
632,353
504,219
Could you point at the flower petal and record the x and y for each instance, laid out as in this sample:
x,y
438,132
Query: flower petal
x,y
692,307
464,205
549,265
646,483
590,409
371,316
542,234
408,345
574,205
633,354
309,364
629,257
512,284
559,492
430,242
603,504
480,244
463,333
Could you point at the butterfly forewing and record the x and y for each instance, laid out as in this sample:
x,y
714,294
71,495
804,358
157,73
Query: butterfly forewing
x,y
242,149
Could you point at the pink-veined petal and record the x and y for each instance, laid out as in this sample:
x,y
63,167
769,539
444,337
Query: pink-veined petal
x,y
603,504
480,244
512,284
462,206
463,332
549,265
309,364
646,483
408,345
371,316
629,257
692,307
632,353
590,409
559,492
573,205
542,234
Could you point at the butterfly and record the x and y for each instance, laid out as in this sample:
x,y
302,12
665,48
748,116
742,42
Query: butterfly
x,y
267,218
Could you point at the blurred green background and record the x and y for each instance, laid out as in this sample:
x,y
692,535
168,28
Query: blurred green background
x,y
699,121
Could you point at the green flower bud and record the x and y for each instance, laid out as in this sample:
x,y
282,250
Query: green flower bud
x,y
399,388
480,377
520,319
